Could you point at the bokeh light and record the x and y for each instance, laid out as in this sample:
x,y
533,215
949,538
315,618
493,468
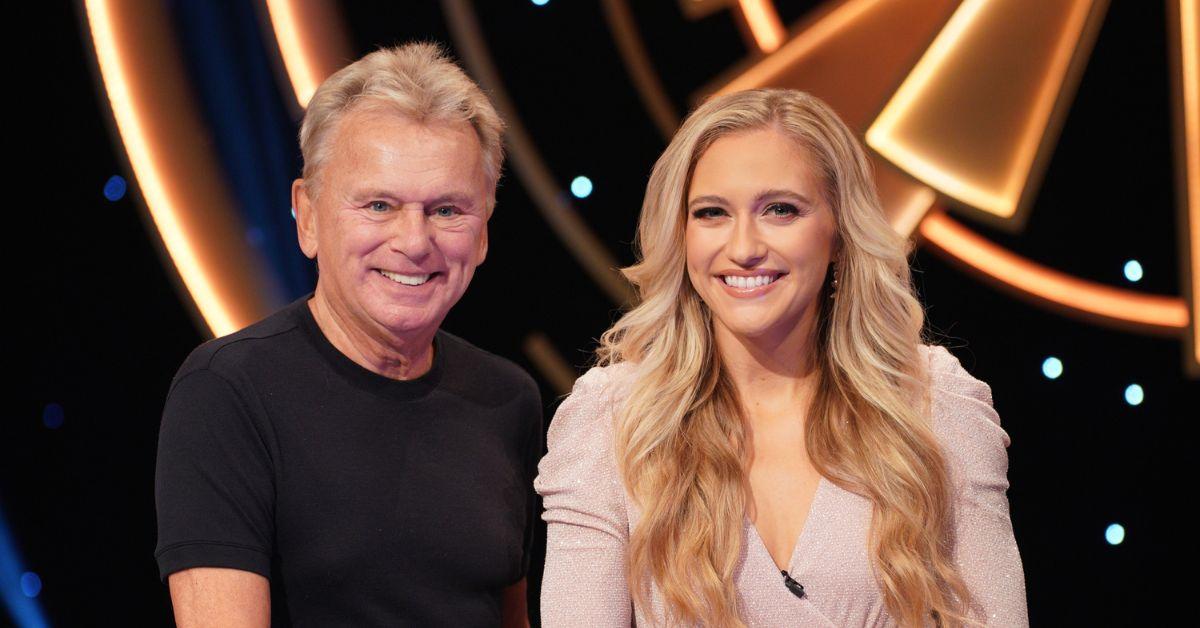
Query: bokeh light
x,y
53,416
114,188
1133,270
1134,395
31,584
581,187
1052,367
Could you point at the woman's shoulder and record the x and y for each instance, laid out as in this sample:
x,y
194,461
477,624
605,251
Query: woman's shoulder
x,y
586,414
964,415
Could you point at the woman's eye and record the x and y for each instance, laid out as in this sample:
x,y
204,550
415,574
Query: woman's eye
x,y
708,212
781,209
444,212
377,206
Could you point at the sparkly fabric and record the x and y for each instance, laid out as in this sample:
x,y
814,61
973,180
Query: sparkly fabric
x,y
589,518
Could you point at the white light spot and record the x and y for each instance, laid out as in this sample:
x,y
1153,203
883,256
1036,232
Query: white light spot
x,y
1114,534
581,187
1133,270
1052,367
1134,395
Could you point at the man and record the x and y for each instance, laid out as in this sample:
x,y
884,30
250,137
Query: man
x,y
345,462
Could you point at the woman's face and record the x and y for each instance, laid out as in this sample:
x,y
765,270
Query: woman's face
x,y
760,235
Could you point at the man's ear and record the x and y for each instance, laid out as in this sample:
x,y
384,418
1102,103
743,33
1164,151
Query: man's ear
x,y
306,218
483,244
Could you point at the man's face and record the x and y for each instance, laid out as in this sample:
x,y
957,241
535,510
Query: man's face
x,y
398,223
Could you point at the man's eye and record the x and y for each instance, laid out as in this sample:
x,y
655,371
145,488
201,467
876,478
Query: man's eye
x,y
708,212
377,206
445,212
781,209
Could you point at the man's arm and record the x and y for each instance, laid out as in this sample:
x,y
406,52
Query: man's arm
x,y
513,609
211,596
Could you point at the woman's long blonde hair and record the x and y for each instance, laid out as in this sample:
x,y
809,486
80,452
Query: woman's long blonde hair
x,y
681,440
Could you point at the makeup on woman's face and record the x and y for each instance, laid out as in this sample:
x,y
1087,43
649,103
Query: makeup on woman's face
x,y
760,235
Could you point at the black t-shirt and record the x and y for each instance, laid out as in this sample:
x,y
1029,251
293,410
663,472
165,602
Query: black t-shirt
x,y
367,501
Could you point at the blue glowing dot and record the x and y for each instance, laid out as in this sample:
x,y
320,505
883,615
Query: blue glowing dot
x,y
53,416
1133,270
1052,367
31,584
114,188
293,213
1134,395
1114,534
581,187
540,3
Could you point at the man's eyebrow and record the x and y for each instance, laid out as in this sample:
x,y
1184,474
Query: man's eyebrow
x,y
372,194
460,199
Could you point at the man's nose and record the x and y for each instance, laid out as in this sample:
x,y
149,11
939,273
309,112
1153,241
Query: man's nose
x,y
745,247
412,235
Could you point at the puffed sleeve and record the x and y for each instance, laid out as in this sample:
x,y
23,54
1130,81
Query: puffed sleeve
x,y
976,446
587,524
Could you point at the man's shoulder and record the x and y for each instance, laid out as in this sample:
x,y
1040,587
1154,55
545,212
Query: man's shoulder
x,y
482,365
231,355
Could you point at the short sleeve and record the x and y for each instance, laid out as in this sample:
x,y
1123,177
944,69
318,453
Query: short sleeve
x,y
587,523
976,447
533,453
213,485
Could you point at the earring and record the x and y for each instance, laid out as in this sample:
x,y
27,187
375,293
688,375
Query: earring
x,y
833,284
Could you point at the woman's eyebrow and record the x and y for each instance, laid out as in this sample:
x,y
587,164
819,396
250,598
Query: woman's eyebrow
x,y
707,199
777,193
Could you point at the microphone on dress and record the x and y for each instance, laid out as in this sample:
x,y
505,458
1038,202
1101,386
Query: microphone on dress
x,y
796,588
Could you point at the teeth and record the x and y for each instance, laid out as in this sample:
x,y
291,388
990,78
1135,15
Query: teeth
x,y
408,280
746,283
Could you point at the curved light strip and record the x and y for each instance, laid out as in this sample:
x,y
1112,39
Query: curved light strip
x,y
637,63
1150,312
798,46
764,23
300,69
163,208
549,363
927,82
1189,66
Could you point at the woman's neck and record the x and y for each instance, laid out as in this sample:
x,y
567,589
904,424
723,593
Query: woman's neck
x,y
772,372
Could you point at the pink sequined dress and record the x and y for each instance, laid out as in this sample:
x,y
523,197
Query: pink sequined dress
x,y
589,517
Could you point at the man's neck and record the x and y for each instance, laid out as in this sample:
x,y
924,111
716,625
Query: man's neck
x,y
375,350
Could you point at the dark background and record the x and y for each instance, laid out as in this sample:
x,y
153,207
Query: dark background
x,y
101,327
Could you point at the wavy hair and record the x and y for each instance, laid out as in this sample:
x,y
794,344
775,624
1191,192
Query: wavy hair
x,y
681,439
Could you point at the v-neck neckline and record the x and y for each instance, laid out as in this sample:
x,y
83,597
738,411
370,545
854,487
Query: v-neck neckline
x,y
800,538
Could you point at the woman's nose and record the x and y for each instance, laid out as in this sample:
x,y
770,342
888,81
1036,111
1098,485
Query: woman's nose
x,y
745,247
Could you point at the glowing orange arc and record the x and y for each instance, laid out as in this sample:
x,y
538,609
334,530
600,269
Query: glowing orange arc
x,y
1162,312
163,207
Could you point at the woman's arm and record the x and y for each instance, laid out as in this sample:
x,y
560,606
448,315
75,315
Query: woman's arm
x,y
985,548
587,525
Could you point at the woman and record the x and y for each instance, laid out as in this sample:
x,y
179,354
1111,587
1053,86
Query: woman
x,y
766,440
